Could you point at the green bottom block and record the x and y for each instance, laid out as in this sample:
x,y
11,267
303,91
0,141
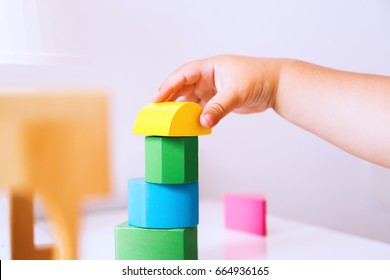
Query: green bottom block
x,y
132,243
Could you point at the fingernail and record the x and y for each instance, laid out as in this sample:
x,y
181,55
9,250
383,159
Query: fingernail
x,y
207,121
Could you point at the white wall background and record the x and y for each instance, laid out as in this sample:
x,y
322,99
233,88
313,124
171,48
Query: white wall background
x,y
131,46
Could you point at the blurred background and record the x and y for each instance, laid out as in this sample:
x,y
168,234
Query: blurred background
x,y
129,47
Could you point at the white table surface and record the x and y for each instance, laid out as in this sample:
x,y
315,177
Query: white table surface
x,y
286,239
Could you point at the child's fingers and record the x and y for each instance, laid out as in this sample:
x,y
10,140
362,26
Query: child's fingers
x,y
188,98
186,75
183,92
217,108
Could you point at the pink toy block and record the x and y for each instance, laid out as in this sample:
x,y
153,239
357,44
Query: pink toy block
x,y
246,212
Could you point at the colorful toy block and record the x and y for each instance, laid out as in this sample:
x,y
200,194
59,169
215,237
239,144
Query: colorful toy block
x,y
170,119
171,160
133,243
162,205
245,212
163,209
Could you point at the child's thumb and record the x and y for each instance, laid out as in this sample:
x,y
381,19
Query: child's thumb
x,y
216,109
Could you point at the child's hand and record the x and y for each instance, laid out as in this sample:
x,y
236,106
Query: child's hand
x,y
223,84
348,109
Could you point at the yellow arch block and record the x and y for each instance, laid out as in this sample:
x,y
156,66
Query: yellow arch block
x,y
170,119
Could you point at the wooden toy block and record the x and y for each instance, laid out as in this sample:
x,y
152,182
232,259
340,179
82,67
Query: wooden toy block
x,y
171,160
56,146
170,119
162,205
245,212
132,243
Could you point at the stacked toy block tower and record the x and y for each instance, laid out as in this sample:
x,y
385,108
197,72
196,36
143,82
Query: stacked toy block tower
x,y
163,207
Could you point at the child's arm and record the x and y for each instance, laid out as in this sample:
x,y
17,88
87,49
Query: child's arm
x,y
348,109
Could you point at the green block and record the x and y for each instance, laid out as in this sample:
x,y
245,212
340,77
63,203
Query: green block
x,y
171,160
133,243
